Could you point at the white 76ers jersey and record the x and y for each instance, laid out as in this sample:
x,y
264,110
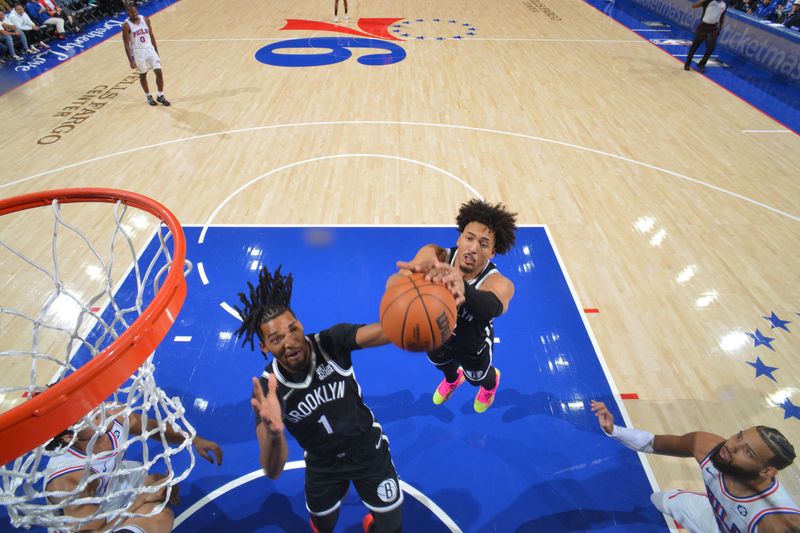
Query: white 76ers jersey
x,y
742,514
74,461
140,34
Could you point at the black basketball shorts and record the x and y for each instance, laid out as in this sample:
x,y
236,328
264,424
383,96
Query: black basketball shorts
x,y
370,469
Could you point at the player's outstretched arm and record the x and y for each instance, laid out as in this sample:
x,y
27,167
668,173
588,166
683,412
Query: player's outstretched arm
x,y
271,439
696,444
371,335
207,449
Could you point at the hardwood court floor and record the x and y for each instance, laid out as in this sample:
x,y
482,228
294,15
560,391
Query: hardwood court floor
x,y
679,227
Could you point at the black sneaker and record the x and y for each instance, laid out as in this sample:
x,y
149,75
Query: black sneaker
x,y
163,101
150,100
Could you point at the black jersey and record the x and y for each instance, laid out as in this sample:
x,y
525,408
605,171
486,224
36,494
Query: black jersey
x,y
471,334
323,409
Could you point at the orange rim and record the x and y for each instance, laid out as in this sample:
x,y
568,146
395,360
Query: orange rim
x,y
39,419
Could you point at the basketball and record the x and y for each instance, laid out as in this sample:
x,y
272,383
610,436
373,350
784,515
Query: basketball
x,y
417,315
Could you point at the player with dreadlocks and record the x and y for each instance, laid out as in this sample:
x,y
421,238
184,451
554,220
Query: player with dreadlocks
x,y
309,388
481,291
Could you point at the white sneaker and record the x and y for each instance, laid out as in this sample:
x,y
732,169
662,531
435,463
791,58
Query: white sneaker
x,y
335,18
17,58
346,17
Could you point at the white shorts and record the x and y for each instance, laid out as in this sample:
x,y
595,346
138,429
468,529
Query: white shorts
x,y
146,59
123,486
692,510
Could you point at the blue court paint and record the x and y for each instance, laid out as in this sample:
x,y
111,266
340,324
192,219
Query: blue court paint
x,y
535,461
770,93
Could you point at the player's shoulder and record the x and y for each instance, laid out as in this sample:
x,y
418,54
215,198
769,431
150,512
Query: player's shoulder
x,y
65,482
338,331
339,337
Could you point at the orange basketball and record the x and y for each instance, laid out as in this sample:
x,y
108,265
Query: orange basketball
x,y
417,315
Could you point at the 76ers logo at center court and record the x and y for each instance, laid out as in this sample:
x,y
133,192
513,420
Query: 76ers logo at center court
x,y
380,34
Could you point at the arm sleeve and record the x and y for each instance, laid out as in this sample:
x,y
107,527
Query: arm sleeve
x,y
635,439
484,304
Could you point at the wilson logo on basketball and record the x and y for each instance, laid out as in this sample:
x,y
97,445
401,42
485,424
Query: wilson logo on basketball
x,y
372,33
444,326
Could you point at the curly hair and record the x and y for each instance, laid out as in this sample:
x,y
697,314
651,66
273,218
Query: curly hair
x,y
267,300
496,217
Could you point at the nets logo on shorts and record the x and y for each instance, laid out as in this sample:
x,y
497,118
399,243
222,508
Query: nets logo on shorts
x,y
380,34
387,490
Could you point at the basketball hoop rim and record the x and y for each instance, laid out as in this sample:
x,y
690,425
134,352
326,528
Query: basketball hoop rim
x,y
40,418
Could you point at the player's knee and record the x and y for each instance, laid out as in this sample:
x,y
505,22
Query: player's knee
x,y
326,522
390,522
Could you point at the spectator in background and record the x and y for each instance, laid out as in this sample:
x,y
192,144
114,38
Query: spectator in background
x,y
3,52
779,10
33,33
9,31
56,12
40,15
765,10
793,16
748,6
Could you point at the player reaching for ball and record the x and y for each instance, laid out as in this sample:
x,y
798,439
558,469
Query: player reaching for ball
x,y
309,388
481,291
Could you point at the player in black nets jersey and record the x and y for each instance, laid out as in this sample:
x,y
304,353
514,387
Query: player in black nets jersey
x,y
310,389
481,291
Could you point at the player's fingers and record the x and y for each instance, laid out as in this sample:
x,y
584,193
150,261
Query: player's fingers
x,y
258,393
218,454
273,384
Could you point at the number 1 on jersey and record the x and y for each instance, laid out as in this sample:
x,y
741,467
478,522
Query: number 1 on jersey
x,y
324,421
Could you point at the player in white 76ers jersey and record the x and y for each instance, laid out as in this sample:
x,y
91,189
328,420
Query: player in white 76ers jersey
x,y
743,493
141,50
80,449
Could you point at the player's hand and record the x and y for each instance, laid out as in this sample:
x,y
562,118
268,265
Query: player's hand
x,y
205,448
268,407
422,266
133,65
450,277
604,416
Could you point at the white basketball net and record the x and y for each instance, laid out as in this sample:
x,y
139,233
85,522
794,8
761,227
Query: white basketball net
x,y
61,305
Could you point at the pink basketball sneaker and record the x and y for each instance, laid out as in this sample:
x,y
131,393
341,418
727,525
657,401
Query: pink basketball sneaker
x,y
485,398
445,388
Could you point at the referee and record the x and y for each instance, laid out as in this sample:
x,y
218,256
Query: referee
x,y
708,30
